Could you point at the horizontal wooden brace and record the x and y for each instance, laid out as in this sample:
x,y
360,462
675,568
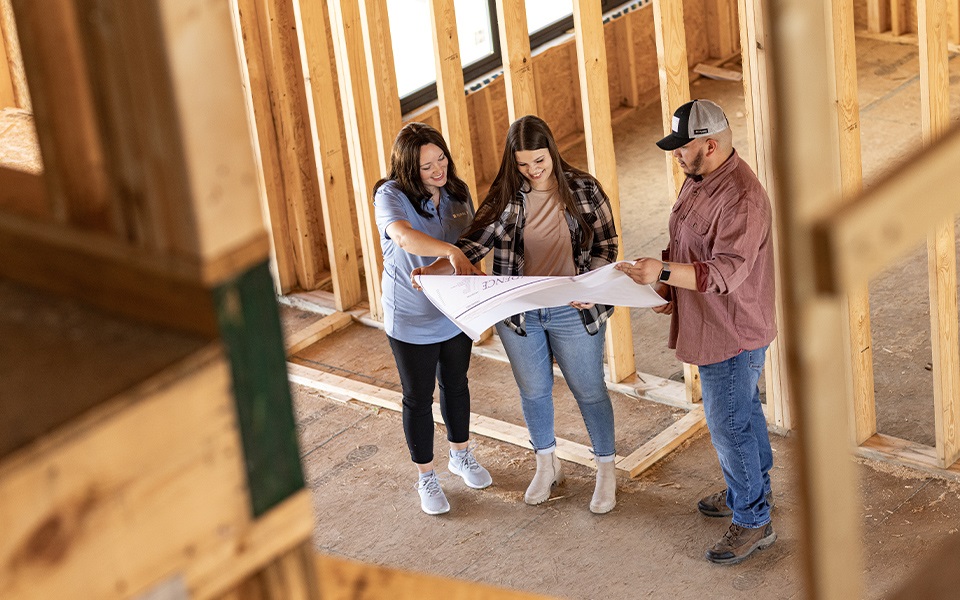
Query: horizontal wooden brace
x,y
110,274
860,239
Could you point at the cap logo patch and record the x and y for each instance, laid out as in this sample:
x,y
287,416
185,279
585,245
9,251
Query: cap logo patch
x,y
676,125
700,131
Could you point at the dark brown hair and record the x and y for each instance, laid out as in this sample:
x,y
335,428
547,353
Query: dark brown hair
x,y
405,167
530,133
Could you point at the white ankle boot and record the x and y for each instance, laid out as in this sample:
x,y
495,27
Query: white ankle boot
x,y
548,474
605,494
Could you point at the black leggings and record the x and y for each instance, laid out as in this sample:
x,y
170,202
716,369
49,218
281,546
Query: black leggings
x,y
420,365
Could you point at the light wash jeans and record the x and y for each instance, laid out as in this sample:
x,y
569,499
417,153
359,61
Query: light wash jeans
x,y
559,333
738,430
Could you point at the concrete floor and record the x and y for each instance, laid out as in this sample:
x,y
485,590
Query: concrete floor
x,y
652,544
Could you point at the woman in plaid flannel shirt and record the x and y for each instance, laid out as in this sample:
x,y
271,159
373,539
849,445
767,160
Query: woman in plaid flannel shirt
x,y
544,217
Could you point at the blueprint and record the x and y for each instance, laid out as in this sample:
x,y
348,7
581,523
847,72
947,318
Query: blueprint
x,y
475,303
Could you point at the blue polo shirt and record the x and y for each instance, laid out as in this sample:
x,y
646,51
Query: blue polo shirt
x,y
407,314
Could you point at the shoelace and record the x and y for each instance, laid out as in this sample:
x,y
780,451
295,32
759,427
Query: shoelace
x,y
469,462
734,532
431,484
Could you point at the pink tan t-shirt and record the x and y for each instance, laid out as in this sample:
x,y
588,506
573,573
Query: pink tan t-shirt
x,y
546,236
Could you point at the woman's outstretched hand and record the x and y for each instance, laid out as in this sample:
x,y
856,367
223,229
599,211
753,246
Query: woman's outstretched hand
x,y
461,264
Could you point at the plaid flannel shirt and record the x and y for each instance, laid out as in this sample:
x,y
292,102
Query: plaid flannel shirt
x,y
505,237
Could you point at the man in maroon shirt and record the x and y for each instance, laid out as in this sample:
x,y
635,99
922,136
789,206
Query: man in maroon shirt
x,y
717,273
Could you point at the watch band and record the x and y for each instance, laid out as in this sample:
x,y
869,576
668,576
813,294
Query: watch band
x,y
664,272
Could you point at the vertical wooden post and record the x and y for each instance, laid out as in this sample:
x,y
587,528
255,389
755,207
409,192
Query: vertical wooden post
x,y
953,18
898,17
858,337
627,61
69,133
366,149
518,64
878,16
721,28
601,159
808,182
674,73
453,102
313,27
754,40
290,170
942,258
8,98
378,50
11,61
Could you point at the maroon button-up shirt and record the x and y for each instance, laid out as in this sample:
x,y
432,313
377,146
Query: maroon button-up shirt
x,y
722,225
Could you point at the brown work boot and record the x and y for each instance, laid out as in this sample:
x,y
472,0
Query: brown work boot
x,y
715,505
740,542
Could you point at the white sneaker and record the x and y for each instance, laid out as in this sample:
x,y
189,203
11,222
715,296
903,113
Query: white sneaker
x,y
432,499
463,463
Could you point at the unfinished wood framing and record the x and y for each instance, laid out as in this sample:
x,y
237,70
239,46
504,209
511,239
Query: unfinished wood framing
x,y
454,122
69,132
754,63
313,27
941,252
722,28
365,148
898,17
878,16
601,159
859,348
13,81
808,182
517,61
384,96
286,141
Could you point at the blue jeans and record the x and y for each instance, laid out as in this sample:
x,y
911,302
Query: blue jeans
x,y
559,333
738,430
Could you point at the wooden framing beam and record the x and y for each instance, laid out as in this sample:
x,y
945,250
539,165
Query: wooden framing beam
x,y
722,28
933,34
339,577
663,443
314,29
385,98
65,115
365,149
673,69
182,488
312,334
601,158
809,184
858,240
878,16
898,17
8,97
627,62
953,21
13,79
754,60
518,73
452,101
859,348
290,167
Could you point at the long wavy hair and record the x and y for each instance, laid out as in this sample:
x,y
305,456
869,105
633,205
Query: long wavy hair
x,y
405,167
530,133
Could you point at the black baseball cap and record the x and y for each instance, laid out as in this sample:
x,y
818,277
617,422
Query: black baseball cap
x,y
695,119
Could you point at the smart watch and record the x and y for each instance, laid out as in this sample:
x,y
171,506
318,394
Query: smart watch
x,y
664,272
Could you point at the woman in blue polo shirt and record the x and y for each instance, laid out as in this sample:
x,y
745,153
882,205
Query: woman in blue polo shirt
x,y
421,209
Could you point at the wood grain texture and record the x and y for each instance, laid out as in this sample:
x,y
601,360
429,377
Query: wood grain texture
x,y
601,158
287,145
517,61
314,28
808,182
145,483
360,126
